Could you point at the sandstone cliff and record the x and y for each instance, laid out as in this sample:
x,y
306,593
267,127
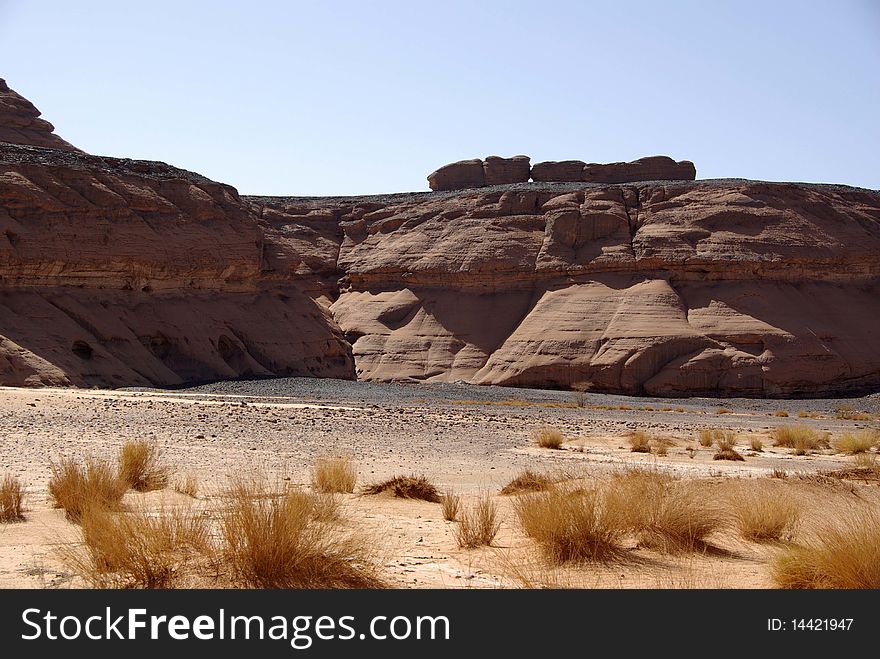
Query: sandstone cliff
x,y
119,272
20,122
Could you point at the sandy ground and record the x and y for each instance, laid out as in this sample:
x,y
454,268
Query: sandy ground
x,y
469,439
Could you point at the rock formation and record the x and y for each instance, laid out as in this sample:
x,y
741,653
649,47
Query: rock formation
x,y
505,171
119,272
20,122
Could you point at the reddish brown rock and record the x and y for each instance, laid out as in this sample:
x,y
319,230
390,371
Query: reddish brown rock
x,y
504,171
564,170
653,168
458,175
20,122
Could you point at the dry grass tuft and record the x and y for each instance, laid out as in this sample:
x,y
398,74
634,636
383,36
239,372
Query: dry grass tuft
x,y
75,487
548,438
779,473
528,481
334,474
847,412
857,442
479,524
764,516
574,525
188,486
723,410
138,549
11,500
726,441
407,487
801,438
780,413
640,441
808,414
707,437
666,514
756,444
450,505
140,466
277,541
843,554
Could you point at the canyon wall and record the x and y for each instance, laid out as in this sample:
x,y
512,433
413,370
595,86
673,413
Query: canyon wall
x,y
119,272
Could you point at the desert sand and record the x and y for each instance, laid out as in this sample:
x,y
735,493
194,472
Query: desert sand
x,y
466,438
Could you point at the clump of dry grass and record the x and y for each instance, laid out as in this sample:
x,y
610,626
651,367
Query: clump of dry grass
x,y
528,481
756,444
450,505
74,487
574,525
547,437
276,541
662,449
640,441
479,524
801,438
723,410
188,486
407,487
707,437
764,516
11,500
138,549
843,554
726,441
808,414
847,412
780,413
856,442
334,474
141,467
666,514
779,473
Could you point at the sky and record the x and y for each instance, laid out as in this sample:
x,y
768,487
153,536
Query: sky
x,y
337,98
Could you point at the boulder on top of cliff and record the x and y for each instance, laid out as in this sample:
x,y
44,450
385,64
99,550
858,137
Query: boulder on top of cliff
x,y
503,171
652,168
20,122
458,175
563,170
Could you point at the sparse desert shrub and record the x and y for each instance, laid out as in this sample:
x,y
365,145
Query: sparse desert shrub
x,y
866,460
547,437
640,441
722,410
666,514
847,412
726,441
756,444
407,487
334,474
75,487
137,549
856,442
780,413
779,473
11,500
808,414
275,541
527,481
574,525
662,449
450,505
764,516
140,466
188,485
707,437
479,524
843,554
579,393
801,438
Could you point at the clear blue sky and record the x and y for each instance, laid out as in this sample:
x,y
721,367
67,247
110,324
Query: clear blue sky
x,y
367,97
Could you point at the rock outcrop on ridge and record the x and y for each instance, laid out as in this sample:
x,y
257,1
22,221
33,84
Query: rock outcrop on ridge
x,y
20,122
118,272
499,171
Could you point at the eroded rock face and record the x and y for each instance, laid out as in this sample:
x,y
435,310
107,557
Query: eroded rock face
x,y
20,122
504,171
458,176
653,168
119,272
563,170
